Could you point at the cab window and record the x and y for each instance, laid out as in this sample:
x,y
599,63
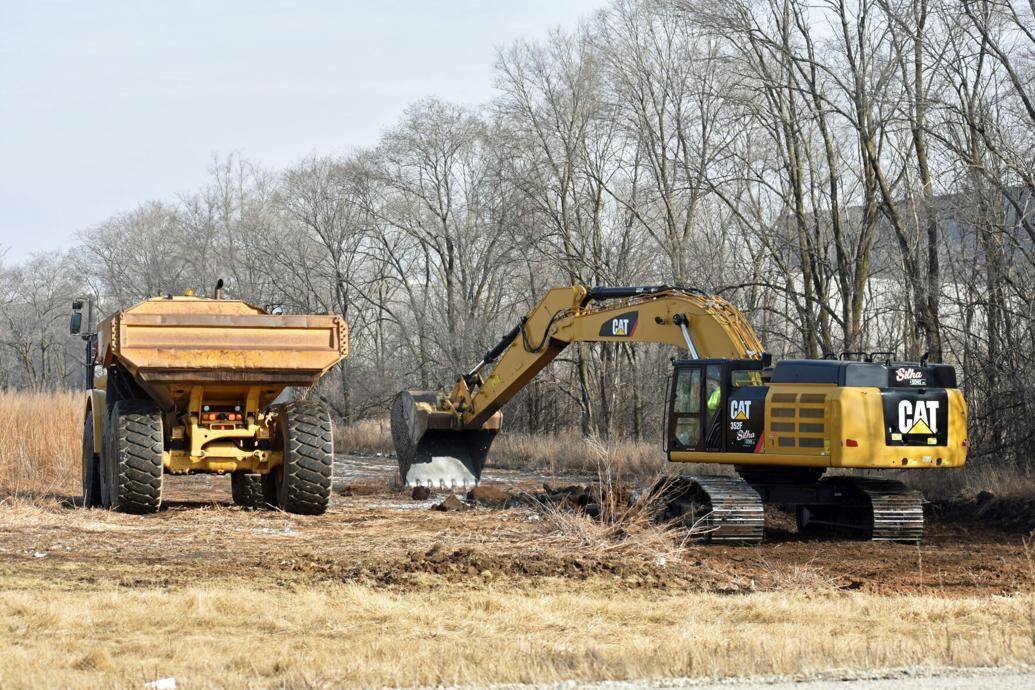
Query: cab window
x,y
688,392
745,377
685,422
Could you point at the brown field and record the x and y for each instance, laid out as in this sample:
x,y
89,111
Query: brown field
x,y
40,441
383,591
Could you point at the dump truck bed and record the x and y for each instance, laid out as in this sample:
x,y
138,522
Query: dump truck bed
x,y
170,344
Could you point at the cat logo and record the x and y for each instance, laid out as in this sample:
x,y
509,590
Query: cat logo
x,y
740,409
621,326
918,417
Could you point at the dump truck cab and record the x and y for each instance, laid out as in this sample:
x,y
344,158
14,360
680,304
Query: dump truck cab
x,y
189,386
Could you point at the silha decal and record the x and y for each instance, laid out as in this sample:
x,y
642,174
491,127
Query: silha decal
x,y
914,377
746,436
621,326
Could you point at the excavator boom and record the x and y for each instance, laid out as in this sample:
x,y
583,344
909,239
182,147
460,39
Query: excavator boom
x,y
442,438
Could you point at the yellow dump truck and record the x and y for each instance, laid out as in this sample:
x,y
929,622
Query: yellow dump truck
x,y
189,385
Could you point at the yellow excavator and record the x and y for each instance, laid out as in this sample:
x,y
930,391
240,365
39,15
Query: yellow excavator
x,y
781,427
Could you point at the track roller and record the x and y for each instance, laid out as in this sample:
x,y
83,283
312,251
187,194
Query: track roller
x,y
880,509
714,508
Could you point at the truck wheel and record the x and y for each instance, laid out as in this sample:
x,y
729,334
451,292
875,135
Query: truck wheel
x,y
105,462
304,479
91,466
247,490
271,487
135,456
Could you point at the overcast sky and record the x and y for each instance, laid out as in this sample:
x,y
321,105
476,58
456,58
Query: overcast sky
x,y
104,105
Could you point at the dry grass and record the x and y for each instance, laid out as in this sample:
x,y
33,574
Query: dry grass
x,y
40,442
804,577
365,437
571,453
360,636
627,519
1004,481
552,454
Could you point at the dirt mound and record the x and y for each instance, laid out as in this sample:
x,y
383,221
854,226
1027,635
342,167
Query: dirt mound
x,y
463,563
576,497
451,503
580,498
490,496
363,486
1009,513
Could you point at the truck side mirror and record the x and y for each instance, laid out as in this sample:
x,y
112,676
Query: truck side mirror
x,y
75,324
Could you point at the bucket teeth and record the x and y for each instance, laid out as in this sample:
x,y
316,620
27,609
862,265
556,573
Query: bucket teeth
x,y
440,473
432,456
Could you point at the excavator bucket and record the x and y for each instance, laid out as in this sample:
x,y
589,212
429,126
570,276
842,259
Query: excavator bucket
x,y
431,452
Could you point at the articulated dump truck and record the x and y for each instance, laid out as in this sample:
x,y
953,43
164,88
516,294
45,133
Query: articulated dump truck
x,y
190,385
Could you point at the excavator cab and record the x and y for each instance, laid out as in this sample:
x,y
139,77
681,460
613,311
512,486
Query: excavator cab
x,y
709,404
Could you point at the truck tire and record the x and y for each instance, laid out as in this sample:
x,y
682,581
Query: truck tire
x,y
271,487
106,463
91,466
249,492
304,479
135,456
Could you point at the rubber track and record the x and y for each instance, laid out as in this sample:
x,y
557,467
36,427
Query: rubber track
x,y
897,512
308,458
247,490
138,457
721,508
737,513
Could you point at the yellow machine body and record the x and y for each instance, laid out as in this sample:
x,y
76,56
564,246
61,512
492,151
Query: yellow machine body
x,y
828,426
443,437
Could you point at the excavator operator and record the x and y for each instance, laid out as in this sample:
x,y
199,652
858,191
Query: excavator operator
x,y
713,386
714,395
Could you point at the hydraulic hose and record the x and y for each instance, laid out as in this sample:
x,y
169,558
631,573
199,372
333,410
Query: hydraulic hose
x,y
497,349
600,293
546,333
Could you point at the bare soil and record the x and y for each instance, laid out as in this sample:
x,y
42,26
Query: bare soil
x,y
376,535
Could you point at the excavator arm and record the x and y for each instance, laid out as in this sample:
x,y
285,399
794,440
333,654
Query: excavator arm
x,y
443,438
